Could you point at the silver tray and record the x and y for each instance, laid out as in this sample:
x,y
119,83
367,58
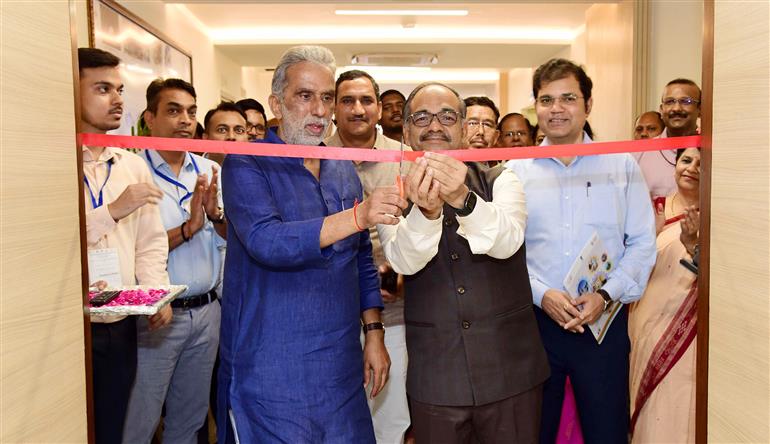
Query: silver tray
x,y
147,310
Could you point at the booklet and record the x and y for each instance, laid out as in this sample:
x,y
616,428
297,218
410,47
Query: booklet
x,y
589,273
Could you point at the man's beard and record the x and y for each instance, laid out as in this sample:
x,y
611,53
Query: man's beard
x,y
293,128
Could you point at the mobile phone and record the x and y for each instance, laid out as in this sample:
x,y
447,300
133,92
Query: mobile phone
x,y
104,297
660,200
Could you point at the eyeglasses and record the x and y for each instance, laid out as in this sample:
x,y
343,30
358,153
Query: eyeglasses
x,y
683,101
564,99
257,128
424,118
518,134
475,124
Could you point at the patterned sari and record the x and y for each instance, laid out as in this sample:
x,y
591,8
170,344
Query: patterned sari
x,y
662,329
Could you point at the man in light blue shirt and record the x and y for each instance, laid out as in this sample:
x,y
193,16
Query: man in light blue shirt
x,y
175,365
568,199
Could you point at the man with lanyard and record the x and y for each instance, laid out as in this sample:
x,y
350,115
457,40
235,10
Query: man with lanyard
x,y
357,108
126,241
568,199
300,279
176,366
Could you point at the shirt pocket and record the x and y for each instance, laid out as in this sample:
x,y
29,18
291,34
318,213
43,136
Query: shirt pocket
x,y
603,206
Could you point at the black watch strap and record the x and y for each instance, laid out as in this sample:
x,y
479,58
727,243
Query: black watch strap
x,y
468,206
373,326
606,296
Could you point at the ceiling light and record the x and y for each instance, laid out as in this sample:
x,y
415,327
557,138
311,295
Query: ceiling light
x,y
413,12
394,59
414,74
389,34
385,68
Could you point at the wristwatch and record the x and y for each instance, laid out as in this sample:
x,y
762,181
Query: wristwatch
x,y
468,206
606,297
373,326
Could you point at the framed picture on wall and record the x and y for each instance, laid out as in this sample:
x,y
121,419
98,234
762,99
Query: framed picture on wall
x,y
145,52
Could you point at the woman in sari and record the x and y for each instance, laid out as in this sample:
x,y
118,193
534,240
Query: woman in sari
x,y
661,325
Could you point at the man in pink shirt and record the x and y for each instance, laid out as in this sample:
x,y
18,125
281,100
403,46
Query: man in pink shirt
x,y
127,244
680,110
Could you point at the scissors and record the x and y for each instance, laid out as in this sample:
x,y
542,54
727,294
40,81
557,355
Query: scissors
x,y
400,177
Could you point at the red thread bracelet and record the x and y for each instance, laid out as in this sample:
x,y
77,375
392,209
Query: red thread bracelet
x,y
355,217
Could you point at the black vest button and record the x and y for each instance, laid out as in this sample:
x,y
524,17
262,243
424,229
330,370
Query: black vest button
x,y
454,256
466,325
448,221
461,289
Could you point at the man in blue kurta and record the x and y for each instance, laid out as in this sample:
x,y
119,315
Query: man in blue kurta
x,y
299,277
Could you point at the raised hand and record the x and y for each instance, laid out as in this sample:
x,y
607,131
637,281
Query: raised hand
x,y
690,224
450,173
211,195
423,189
197,217
383,206
132,198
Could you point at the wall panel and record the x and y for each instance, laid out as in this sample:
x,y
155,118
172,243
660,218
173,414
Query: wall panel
x,y
610,57
42,370
739,330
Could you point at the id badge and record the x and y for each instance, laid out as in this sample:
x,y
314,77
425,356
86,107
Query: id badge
x,y
104,265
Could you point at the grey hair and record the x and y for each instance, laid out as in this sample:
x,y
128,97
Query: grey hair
x,y
298,54
408,104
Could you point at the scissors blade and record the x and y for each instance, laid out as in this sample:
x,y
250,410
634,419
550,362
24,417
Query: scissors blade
x,y
400,178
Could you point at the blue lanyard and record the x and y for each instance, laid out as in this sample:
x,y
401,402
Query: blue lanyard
x,y
98,203
172,181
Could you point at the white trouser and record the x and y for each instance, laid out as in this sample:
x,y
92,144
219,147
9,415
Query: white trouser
x,y
390,411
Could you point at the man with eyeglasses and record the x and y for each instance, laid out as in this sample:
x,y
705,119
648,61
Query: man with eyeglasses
x,y
680,110
515,131
568,199
476,363
255,118
480,122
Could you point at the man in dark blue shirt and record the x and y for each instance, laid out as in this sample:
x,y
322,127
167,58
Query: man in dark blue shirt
x,y
299,277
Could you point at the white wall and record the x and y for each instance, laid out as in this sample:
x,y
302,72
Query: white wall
x,y
675,44
578,47
609,63
519,90
256,84
230,77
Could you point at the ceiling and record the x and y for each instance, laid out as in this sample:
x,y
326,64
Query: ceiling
x,y
502,35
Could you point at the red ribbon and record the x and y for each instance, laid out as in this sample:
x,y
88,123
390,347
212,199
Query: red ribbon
x,y
362,154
